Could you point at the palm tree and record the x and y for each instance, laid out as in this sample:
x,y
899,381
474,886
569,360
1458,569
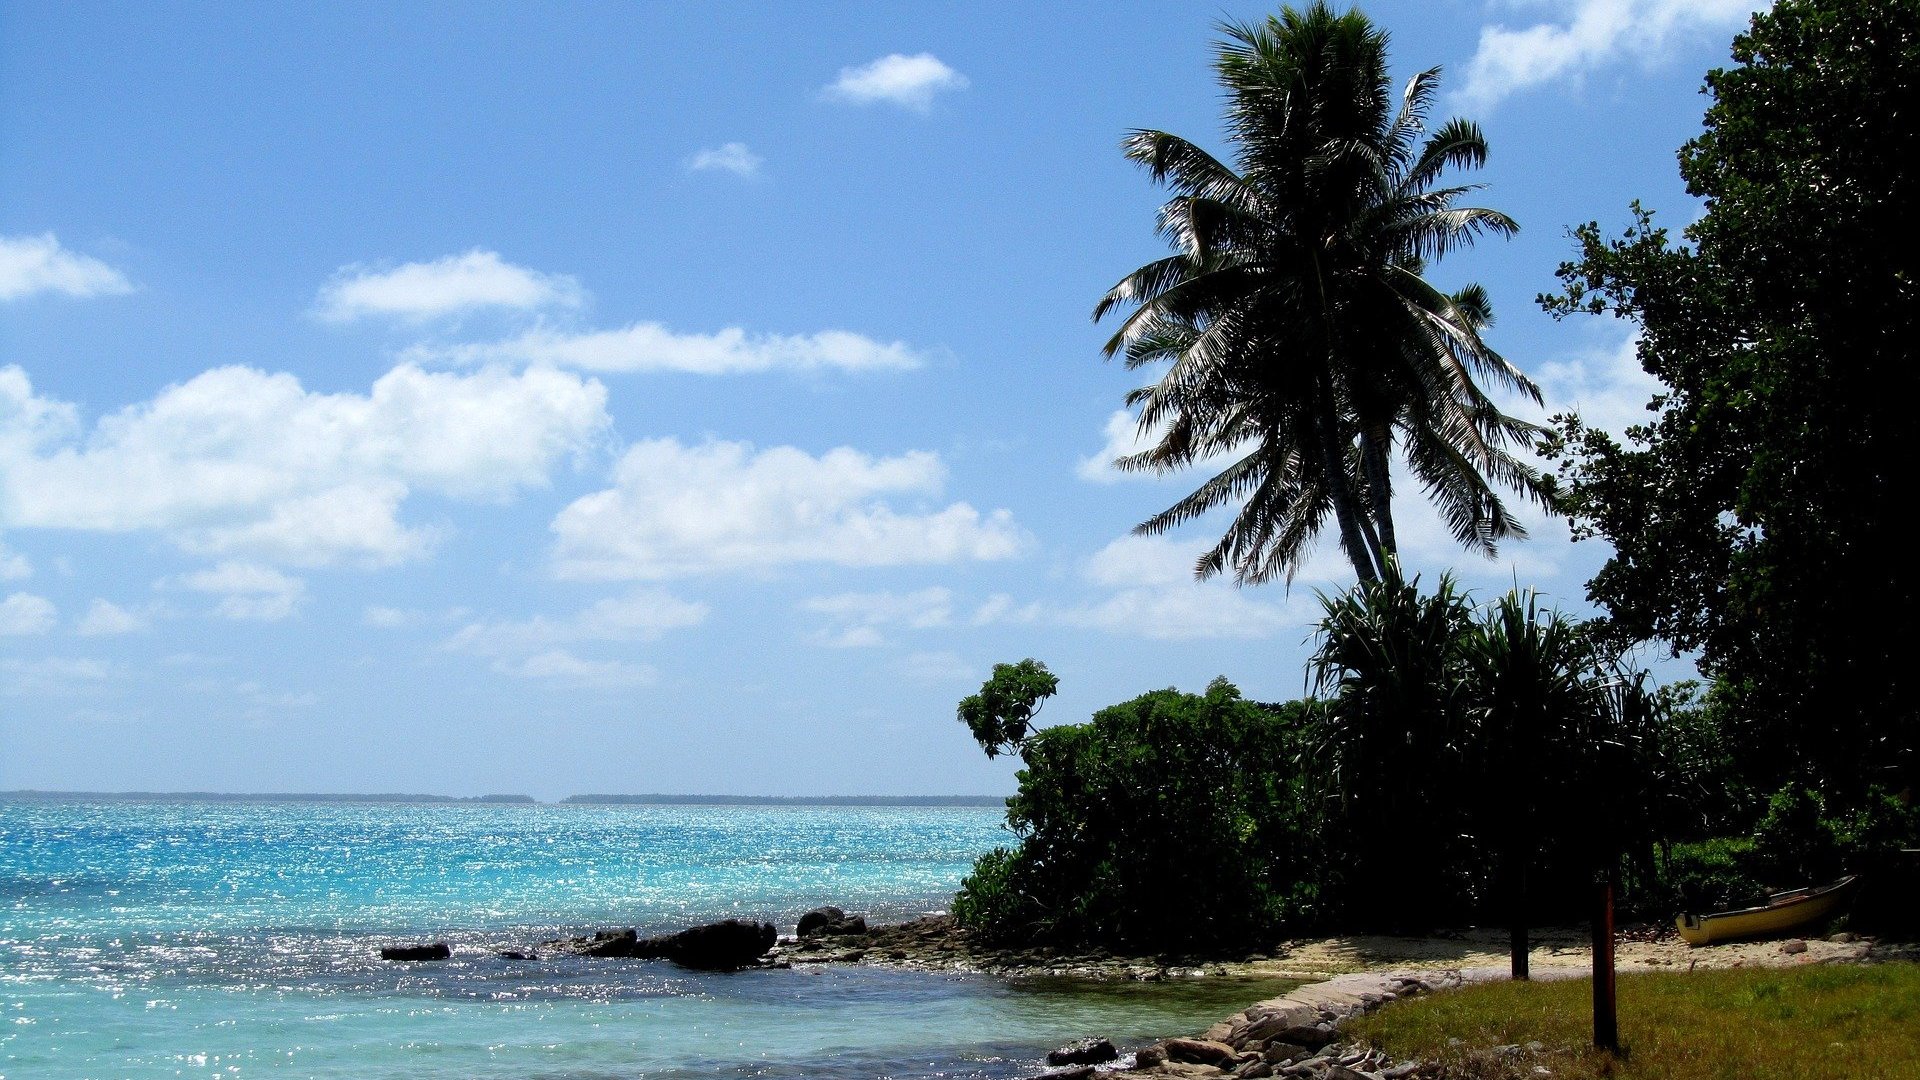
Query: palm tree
x,y
1304,344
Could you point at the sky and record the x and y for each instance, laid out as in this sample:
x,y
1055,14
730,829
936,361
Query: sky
x,y
701,398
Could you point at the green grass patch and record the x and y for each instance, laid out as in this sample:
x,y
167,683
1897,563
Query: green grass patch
x,y
1847,1022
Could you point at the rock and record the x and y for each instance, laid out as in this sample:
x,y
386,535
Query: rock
x,y
1842,938
1084,1052
438,950
604,943
516,954
1198,1051
1311,1036
830,922
1793,947
723,946
1150,1057
1078,1072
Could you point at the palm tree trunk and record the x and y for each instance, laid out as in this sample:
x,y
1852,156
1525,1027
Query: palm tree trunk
x,y
1376,451
1348,513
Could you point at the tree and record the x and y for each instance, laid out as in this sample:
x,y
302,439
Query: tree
x,y
1001,715
1303,343
1759,516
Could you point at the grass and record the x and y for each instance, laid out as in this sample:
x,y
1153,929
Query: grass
x,y
1845,1022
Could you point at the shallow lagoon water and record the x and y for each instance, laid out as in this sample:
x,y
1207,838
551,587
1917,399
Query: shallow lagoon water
x,y
241,939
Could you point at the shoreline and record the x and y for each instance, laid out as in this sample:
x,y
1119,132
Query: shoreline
x,y
934,942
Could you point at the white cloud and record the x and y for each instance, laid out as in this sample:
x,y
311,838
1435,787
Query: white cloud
x,y
907,81
677,510
104,618
937,667
1123,437
51,675
238,462
733,157
13,565
24,613
1595,33
447,286
643,615
385,617
651,347
248,591
562,666
531,648
38,264
1608,388
856,619
1156,596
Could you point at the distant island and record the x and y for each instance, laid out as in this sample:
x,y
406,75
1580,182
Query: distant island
x,y
511,800
786,800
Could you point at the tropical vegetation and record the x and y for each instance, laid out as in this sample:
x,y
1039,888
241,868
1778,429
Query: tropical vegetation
x,y
1303,345
1760,515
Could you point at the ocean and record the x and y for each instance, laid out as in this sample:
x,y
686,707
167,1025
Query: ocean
x,y
236,939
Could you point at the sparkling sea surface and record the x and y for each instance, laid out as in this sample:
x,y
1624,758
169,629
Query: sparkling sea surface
x,y
146,939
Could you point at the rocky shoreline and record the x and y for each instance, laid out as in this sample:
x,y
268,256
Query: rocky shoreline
x,y
1292,1035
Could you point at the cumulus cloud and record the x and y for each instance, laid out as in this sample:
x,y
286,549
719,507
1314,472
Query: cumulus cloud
x,y
1607,387
651,347
677,510
856,620
13,565
247,591
1123,437
1154,595
733,157
240,463
1592,34
30,265
22,614
449,286
105,618
535,648
907,81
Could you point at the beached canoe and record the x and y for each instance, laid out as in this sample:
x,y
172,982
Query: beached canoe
x,y
1783,911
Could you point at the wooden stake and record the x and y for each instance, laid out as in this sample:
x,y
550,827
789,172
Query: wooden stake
x,y
1606,1024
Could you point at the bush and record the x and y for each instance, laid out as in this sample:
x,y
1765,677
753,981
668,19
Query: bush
x,y
1165,824
1711,875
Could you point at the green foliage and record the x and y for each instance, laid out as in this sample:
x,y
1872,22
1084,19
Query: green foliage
x,y
1466,749
1794,843
1758,515
1162,824
1303,342
1710,875
1001,715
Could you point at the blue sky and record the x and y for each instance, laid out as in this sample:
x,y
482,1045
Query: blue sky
x,y
626,398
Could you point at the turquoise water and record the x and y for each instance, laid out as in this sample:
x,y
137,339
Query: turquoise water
x,y
241,939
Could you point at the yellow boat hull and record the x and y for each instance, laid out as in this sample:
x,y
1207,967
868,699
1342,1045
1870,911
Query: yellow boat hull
x,y
1787,912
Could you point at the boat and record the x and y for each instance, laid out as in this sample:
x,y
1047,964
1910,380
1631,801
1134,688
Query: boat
x,y
1782,911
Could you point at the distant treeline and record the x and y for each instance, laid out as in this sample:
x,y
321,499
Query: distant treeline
x,y
573,800
787,800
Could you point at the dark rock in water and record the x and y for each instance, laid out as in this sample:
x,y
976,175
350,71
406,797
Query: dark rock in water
x,y
610,943
721,946
812,921
438,950
830,922
1084,1052
1078,1072
516,954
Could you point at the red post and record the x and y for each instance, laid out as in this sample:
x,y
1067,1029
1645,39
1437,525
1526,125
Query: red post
x,y
1606,1024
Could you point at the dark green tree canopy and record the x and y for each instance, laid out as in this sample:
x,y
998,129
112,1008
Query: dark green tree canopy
x,y
1302,343
1760,515
1001,715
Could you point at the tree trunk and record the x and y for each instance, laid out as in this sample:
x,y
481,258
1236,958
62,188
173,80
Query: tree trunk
x,y
1348,514
1376,459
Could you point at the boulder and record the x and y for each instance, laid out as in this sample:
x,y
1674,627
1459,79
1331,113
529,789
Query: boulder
x,y
830,922
1084,1052
1199,1051
438,950
721,946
